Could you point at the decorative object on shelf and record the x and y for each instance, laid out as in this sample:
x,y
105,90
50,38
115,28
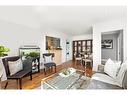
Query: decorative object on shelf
x,y
33,52
107,44
36,64
3,51
67,50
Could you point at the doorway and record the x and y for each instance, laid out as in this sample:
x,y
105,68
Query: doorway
x,y
112,45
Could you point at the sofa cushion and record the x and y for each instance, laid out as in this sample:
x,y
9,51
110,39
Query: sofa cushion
x,y
111,68
95,84
15,66
105,78
48,59
124,82
121,73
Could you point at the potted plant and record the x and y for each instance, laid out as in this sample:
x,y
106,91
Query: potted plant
x,y
3,51
33,54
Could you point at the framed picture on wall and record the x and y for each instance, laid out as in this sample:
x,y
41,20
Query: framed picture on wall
x,y
107,44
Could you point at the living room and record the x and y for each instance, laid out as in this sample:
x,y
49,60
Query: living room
x,y
54,30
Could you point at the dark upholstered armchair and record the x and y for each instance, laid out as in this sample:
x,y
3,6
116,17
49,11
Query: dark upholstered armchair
x,y
27,70
48,64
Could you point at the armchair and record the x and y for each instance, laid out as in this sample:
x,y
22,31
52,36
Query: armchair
x,y
101,80
48,61
27,70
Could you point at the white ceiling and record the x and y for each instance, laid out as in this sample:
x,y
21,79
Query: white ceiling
x,y
74,20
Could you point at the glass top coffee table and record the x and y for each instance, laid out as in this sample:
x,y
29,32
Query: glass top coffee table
x,y
74,80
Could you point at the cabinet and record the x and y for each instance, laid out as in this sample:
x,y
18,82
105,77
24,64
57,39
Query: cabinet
x,y
82,46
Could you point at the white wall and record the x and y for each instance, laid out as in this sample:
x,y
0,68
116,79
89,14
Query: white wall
x,y
63,37
83,37
15,35
106,27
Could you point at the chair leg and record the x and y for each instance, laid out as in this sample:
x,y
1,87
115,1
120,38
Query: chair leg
x,y
30,75
49,69
52,68
44,71
20,83
76,62
17,80
55,69
6,85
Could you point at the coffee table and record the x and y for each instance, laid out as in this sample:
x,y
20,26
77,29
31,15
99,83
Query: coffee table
x,y
77,80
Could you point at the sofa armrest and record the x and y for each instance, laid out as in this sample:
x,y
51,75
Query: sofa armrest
x,y
101,68
124,83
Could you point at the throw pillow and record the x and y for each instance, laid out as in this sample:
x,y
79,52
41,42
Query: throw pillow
x,y
111,68
48,59
15,66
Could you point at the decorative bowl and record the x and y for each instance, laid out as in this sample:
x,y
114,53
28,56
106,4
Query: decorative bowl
x,y
67,72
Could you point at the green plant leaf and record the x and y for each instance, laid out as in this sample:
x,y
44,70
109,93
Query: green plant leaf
x,y
3,50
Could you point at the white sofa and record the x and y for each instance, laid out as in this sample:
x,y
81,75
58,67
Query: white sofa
x,y
101,80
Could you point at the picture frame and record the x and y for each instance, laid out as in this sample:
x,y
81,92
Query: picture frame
x,y
107,44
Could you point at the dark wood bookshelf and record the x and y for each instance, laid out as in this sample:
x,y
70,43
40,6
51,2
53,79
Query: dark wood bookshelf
x,y
80,46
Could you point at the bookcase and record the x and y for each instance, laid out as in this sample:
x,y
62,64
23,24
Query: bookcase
x,y
82,46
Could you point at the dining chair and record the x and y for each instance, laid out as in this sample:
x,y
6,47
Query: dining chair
x,y
49,62
78,58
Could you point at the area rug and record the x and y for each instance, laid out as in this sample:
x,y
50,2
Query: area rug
x,y
60,83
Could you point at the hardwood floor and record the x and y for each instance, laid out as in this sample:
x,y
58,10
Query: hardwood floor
x,y
36,81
